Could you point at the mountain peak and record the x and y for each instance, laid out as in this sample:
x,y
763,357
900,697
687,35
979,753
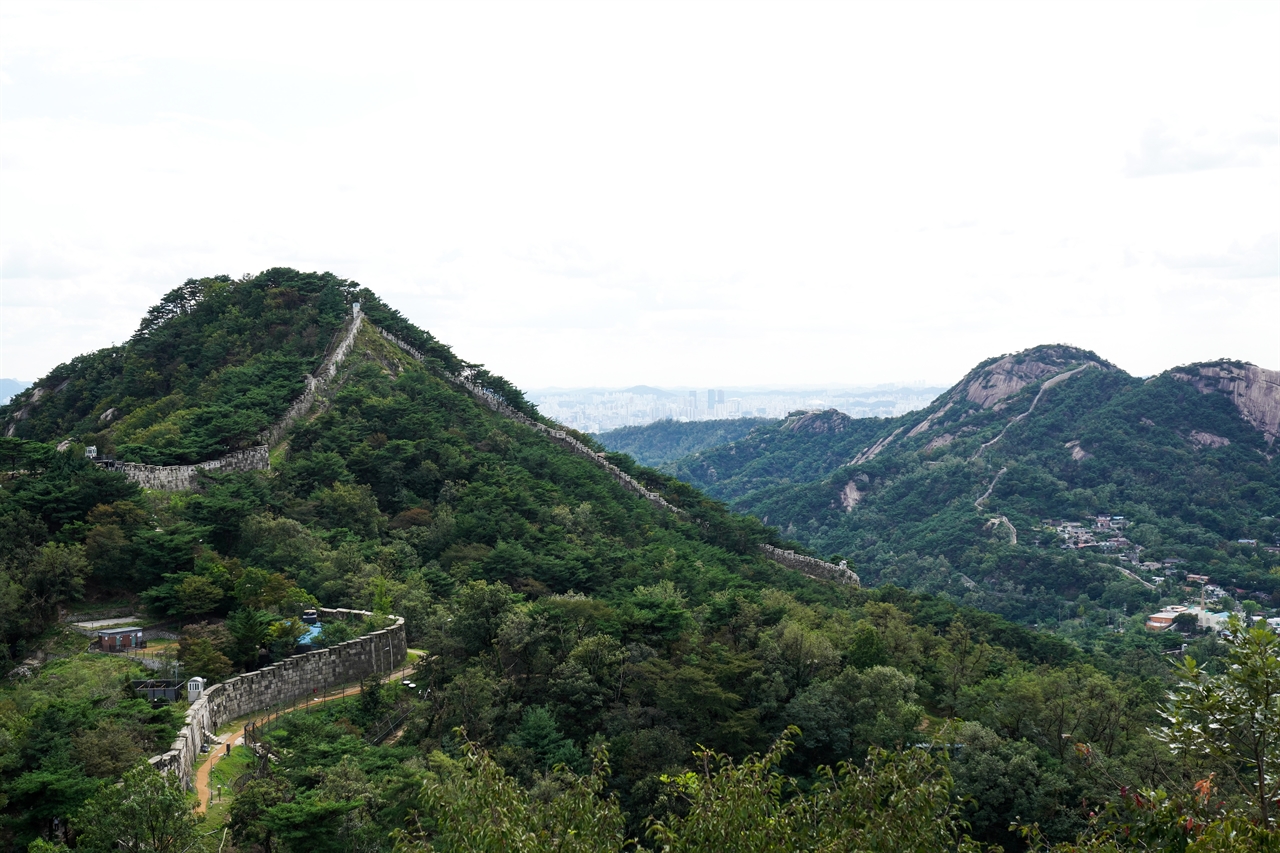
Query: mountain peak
x,y
829,420
995,379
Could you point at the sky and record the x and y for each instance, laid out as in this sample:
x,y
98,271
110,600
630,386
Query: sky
x,y
693,194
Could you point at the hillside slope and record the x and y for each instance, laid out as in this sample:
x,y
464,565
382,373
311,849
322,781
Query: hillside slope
x,y
960,491
561,610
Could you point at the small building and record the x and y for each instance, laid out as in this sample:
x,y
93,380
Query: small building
x,y
1163,620
195,688
119,639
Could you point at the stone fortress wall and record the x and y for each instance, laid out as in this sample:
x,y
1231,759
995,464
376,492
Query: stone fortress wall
x,y
811,566
280,684
179,477
175,478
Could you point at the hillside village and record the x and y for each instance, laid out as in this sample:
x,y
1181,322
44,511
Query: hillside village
x,y
1205,606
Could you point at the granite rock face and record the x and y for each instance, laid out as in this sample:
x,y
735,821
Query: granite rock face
x,y
1254,390
988,385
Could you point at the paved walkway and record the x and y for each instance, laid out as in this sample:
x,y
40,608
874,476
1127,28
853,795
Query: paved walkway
x,y
218,747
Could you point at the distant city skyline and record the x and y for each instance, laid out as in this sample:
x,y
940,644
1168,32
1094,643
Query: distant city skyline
x,y
601,410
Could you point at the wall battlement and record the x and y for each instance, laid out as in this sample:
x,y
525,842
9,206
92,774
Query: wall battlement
x,y
281,683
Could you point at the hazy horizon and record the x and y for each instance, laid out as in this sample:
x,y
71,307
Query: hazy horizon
x,y
618,194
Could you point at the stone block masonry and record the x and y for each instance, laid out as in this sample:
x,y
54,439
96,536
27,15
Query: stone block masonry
x,y
175,478
811,566
293,678
318,384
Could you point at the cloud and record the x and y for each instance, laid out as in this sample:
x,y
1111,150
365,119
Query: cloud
x,y
1259,260
1162,151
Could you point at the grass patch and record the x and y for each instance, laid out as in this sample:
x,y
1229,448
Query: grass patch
x,y
225,772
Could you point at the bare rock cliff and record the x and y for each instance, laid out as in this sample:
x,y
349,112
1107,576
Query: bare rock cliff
x,y
989,385
1254,390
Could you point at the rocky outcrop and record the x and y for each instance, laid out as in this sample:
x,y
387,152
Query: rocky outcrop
x,y
874,450
1208,439
1004,377
829,421
850,496
1254,390
928,422
939,441
1078,453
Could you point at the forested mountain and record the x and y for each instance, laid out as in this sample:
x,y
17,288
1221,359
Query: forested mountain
x,y
666,441
565,621
969,495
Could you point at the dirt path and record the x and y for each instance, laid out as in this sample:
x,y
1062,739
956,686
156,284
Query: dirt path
x,y
218,748
1131,575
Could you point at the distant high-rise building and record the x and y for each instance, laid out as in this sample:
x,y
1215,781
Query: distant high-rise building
x,y
719,396
711,399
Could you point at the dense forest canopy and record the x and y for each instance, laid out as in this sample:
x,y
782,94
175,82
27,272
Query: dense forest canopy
x,y
590,661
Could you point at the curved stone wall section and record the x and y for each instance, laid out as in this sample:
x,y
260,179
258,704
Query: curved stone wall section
x,y
281,683
176,478
810,566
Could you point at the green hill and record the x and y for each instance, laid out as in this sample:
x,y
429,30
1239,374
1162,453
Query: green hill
x,y
562,612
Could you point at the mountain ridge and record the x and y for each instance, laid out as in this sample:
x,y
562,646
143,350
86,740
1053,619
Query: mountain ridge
x,y
1052,432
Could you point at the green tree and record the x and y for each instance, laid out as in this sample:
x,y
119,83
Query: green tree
x,y
539,737
198,595
473,806
56,576
149,811
199,657
1231,722
899,802
250,630
250,817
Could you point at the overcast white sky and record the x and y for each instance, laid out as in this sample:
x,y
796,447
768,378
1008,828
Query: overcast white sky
x,y
699,194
